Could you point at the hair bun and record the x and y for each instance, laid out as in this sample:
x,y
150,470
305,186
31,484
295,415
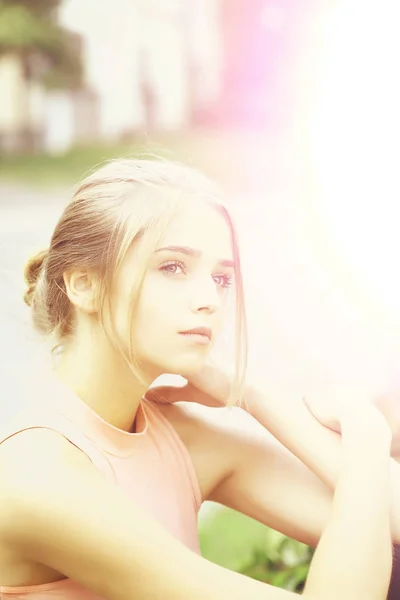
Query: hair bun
x,y
32,272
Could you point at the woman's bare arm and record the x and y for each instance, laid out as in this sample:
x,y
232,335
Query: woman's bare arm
x,y
56,509
359,527
317,447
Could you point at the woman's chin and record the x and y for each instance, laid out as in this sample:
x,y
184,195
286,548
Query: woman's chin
x,y
185,369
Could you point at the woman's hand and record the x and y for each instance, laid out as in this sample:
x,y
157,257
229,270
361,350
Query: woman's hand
x,y
330,412
210,387
326,412
389,405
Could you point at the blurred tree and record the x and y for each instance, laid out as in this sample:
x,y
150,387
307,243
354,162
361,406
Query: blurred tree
x,y
40,7
29,29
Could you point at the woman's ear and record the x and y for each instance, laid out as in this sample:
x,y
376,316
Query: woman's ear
x,y
81,286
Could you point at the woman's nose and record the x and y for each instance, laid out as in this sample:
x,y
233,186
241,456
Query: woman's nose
x,y
206,297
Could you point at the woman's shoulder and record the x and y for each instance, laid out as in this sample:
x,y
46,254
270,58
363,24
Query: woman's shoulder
x,y
195,420
205,429
34,464
37,456
203,420
35,448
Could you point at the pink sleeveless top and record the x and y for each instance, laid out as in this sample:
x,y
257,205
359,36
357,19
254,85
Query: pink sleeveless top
x,y
153,466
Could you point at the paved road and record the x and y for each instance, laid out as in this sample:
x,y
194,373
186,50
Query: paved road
x,y
303,331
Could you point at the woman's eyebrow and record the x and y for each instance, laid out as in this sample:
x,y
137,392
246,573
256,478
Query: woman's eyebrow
x,y
195,253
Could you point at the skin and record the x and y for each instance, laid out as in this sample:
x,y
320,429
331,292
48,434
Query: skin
x,y
245,468
180,292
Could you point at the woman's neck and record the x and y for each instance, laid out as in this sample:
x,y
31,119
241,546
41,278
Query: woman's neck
x,y
103,381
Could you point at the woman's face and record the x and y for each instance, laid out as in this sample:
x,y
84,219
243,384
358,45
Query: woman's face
x,y
185,288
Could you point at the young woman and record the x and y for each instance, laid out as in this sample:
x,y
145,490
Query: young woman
x,y
101,478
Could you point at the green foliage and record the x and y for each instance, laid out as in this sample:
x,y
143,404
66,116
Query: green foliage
x,y
21,29
284,563
29,29
39,7
244,545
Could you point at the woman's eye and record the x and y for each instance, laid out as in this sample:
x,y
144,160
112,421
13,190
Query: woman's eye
x,y
173,267
225,280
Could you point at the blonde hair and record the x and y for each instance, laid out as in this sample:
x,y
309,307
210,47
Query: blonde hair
x,y
113,207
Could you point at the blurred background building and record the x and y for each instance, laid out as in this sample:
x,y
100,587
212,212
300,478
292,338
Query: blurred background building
x,y
80,70
139,64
